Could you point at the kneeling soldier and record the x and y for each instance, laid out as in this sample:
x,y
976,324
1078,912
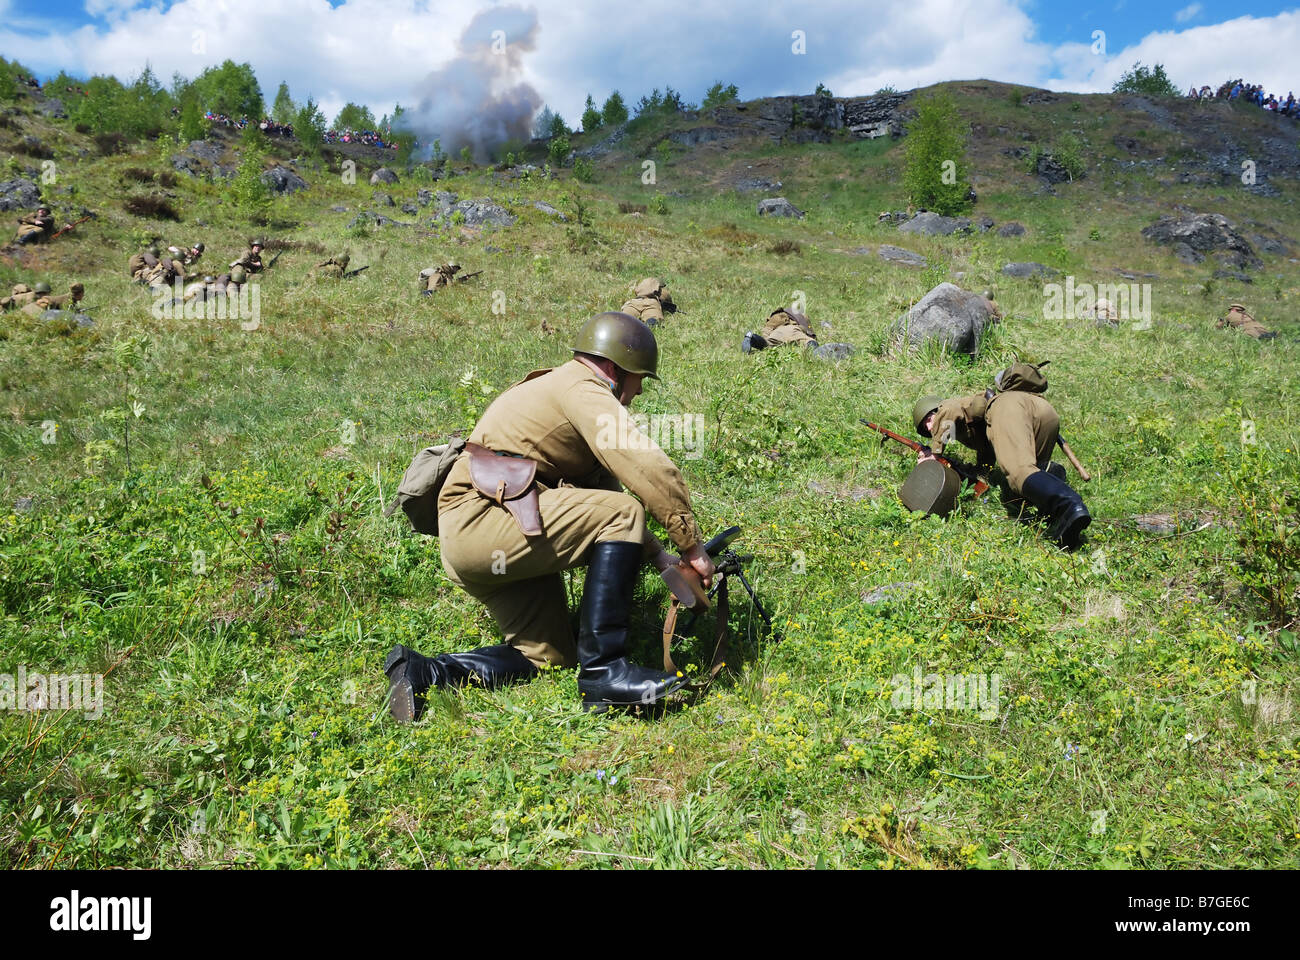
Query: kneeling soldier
x,y
571,425
435,278
1018,431
35,227
334,267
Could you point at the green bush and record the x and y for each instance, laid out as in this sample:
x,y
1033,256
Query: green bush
x,y
591,117
584,170
614,111
1152,81
717,95
558,150
659,205
248,191
936,146
309,128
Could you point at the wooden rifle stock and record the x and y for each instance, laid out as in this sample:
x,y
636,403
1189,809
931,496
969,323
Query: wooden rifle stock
x,y
979,486
1065,448
70,226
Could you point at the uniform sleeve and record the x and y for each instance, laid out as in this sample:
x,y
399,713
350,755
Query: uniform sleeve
x,y
945,429
632,458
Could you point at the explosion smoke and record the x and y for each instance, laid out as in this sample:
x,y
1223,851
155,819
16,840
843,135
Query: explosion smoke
x,y
475,100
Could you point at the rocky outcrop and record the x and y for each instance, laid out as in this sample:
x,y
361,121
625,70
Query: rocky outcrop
x,y
1195,235
948,315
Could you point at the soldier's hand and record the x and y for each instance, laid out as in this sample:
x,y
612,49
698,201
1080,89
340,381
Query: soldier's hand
x,y
924,455
700,562
665,559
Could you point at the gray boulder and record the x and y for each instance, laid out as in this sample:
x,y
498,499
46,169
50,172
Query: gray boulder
x,y
282,180
410,208
424,197
949,315
383,199
1195,235
899,255
932,224
67,316
52,107
369,217
1011,230
549,210
19,194
754,184
778,207
482,212
984,224
383,175
445,200
1027,270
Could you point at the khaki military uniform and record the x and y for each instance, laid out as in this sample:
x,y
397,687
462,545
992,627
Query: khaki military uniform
x,y
141,264
333,268
587,449
785,327
161,274
185,255
1017,430
649,299
33,228
1239,319
434,278
250,261
61,301
19,296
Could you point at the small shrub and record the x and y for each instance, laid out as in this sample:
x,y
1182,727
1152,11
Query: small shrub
x,y
109,143
558,150
584,170
784,247
1149,80
659,205
632,208
137,174
168,179
156,208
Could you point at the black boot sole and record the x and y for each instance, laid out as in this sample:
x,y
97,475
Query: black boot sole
x,y
401,695
602,705
1071,530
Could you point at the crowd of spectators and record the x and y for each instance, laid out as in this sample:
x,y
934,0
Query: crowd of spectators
x,y
271,128
220,119
369,137
1252,93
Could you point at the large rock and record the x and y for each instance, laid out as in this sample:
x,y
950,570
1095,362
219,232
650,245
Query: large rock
x,y
379,220
423,197
19,194
899,255
282,180
1024,271
778,207
1012,229
383,175
949,315
755,184
932,224
697,135
549,210
198,157
598,150
477,213
1195,235
383,199
52,107
67,317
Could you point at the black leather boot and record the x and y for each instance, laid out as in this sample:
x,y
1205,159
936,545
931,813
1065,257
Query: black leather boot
x,y
752,341
410,675
1057,500
605,677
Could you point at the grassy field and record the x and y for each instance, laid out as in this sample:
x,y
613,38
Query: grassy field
x,y
1147,709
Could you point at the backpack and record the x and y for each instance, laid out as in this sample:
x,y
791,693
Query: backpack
x,y
1026,377
417,494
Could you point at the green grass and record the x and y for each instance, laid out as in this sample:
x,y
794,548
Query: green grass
x,y
245,720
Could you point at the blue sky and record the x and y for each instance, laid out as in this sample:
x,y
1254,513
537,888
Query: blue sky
x,y
581,46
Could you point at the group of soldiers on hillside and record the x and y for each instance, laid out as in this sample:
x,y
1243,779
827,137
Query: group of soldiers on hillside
x,y
538,488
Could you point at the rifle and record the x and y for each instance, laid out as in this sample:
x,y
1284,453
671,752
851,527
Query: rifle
x,y
71,226
278,254
353,273
979,485
468,276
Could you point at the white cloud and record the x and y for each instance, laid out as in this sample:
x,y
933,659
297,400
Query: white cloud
x,y
1187,13
378,51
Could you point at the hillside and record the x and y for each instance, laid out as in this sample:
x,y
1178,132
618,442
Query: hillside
x,y
1147,711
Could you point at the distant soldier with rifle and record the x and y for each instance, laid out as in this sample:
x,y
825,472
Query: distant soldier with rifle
x,y
790,327
35,227
49,301
650,301
251,259
334,268
538,490
435,278
1017,429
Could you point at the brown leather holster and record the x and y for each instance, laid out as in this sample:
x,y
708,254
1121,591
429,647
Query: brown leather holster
x,y
509,482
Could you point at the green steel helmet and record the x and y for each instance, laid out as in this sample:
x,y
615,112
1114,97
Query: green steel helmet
x,y
256,242
623,339
199,247
237,275
924,407
154,251
41,287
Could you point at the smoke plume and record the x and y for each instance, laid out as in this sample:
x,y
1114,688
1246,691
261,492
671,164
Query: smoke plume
x,y
476,99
